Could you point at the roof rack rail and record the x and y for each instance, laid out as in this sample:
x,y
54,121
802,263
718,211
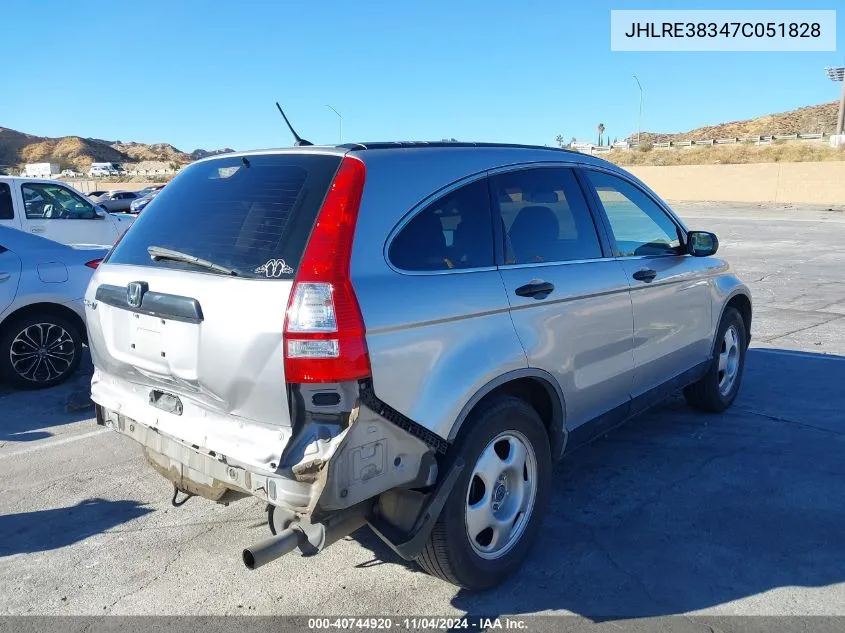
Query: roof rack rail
x,y
422,144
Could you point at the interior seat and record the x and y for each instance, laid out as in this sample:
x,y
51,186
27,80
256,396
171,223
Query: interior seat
x,y
534,234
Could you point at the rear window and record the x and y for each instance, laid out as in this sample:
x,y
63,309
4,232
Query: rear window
x,y
251,214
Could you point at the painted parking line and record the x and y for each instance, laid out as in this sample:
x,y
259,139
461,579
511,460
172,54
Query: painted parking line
x,y
51,444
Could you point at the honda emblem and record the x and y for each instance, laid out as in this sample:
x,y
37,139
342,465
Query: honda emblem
x,y
135,293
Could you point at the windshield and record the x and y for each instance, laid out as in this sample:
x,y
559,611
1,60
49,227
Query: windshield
x,y
252,215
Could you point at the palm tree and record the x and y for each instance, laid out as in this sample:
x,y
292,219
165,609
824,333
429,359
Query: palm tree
x,y
601,131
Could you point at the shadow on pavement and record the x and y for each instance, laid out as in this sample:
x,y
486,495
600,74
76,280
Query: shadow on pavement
x,y
24,414
44,530
678,510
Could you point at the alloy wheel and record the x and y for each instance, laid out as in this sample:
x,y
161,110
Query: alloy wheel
x,y
42,352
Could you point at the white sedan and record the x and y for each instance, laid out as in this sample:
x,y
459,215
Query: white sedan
x,y
42,318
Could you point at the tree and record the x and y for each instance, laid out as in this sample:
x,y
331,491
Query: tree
x,y
559,140
572,142
601,131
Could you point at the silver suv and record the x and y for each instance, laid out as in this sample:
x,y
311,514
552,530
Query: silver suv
x,y
405,335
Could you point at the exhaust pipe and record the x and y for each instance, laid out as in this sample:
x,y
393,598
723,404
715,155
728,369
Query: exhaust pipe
x,y
266,551
310,538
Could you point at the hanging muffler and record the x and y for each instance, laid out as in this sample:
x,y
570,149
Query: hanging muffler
x,y
292,532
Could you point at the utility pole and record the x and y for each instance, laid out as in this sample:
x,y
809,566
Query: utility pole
x,y
640,119
340,122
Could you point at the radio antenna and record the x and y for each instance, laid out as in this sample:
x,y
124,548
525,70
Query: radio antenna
x,y
299,140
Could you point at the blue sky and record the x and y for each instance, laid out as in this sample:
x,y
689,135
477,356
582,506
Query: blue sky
x,y
206,74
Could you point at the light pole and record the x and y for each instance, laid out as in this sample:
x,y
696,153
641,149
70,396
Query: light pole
x,y
340,121
640,119
838,74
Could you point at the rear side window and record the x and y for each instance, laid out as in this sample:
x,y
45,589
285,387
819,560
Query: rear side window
x,y
452,233
6,210
252,214
545,217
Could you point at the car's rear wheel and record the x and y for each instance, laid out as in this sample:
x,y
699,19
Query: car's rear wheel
x,y
718,388
497,504
39,350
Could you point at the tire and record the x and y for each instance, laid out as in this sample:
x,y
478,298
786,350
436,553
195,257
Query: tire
x,y
492,440
712,392
62,345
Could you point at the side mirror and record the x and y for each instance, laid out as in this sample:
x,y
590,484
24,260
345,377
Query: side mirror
x,y
100,212
702,243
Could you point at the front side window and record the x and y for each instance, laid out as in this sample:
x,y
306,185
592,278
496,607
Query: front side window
x,y
452,233
639,226
7,212
544,216
44,201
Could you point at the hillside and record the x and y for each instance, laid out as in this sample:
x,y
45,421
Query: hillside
x,y
17,148
156,151
816,118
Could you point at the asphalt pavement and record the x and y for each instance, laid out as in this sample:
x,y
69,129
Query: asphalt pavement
x,y
676,512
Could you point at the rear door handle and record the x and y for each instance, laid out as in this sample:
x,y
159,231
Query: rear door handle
x,y
646,275
37,229
4,276
536,289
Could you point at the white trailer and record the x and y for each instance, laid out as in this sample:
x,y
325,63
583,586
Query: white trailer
x,y
41,170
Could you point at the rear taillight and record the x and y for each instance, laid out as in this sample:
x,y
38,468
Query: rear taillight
x,y
93,263
324,331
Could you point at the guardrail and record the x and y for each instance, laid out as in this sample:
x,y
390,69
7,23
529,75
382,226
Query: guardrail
x,y
750,140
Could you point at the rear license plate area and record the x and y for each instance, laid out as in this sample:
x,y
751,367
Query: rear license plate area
x,y
146,336
166,402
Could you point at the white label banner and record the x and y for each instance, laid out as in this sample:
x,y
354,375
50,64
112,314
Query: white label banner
x,y
723,30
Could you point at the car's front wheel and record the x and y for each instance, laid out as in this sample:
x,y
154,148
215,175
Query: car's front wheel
x,y
497,504
718,388
39,350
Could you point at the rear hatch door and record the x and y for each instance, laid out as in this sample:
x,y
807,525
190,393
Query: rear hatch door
x,y
186,314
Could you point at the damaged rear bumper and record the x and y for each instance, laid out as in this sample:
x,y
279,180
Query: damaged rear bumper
x,y
362,462
370,456
204,473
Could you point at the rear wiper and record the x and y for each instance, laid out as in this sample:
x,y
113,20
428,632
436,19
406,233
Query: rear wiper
x,y
158,253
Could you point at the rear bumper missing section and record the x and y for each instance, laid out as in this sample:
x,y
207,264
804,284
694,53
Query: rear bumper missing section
x,y
370,457
206,474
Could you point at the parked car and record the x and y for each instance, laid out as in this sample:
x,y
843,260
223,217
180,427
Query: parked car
x,y
138,204
148,190
117,200
412,335
42,326
56,211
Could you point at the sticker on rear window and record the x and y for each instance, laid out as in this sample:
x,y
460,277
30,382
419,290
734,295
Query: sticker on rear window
x,y
274,268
